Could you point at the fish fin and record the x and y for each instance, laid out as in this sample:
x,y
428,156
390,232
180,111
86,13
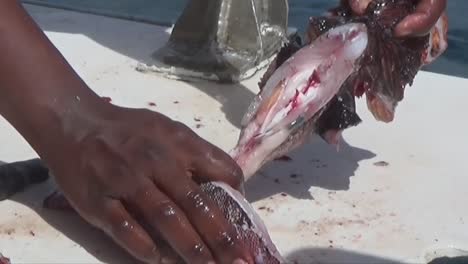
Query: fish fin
x,y
339,115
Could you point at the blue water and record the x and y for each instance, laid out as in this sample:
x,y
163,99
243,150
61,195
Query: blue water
x,y
453,62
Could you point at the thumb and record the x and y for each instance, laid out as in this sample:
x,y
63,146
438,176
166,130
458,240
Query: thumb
x,y
359,6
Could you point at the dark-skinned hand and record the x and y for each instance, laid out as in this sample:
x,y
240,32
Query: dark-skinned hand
x,y
132,173
420,22
140,165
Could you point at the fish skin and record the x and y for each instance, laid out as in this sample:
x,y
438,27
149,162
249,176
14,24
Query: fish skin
x,y
4,260
247,223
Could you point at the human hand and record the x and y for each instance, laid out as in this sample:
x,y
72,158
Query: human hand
x,y
137,165
418,23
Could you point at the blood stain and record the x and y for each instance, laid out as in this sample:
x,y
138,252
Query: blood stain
x,y
381,164
107,99
284,158
151,104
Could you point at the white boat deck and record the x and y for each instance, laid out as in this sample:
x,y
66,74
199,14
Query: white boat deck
x,y
322,207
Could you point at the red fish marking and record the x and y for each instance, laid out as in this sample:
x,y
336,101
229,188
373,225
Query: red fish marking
x,y
314,81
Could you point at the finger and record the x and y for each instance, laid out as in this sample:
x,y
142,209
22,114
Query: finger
x,y
170,222
126,232
213,164
422,20
359,6
206,217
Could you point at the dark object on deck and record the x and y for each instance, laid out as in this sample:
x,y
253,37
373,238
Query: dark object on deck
x,y
224,40
447,260
16,176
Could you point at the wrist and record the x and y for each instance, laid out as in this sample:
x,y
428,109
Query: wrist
x,y
56,120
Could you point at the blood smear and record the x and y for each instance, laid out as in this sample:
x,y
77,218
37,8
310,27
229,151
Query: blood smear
x,y
107,99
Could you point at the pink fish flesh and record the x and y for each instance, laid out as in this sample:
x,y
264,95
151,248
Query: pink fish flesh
x,y
296,93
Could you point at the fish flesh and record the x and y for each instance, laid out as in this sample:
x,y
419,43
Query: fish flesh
x,y
284,113
311,88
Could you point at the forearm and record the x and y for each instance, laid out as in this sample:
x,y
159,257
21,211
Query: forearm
x,y
39,91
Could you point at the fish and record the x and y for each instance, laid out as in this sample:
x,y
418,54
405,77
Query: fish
x,y
285,112
311,87
4,260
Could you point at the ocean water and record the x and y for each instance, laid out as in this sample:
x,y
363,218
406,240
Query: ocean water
x,y
453,62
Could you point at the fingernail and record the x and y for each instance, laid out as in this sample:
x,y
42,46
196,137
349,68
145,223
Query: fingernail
x,y
239,261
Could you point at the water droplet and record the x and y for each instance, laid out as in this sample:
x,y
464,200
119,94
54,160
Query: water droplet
x,y
199,248
169,211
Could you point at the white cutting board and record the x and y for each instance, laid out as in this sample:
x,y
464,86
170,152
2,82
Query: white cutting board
x,y
339,207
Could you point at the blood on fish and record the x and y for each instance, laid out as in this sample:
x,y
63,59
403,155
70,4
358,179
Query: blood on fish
x,y
294,102
251,144
361,88
314,81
